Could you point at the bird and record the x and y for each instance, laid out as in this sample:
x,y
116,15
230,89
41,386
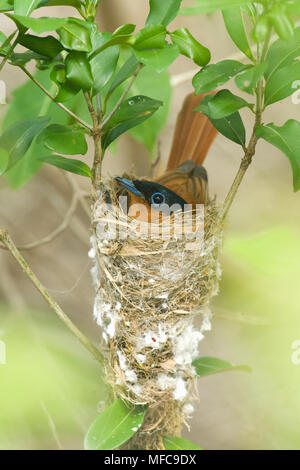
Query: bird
x,y
185,180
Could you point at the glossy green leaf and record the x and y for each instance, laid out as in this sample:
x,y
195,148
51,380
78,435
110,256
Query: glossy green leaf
x,y
122,39
4,159
39,25
212,365
234,22
114,426
208,6
223,104
25,7
104,64
65,90
282,23
17,139
29,102
287,139
127,28
158,59
78,70
68,164
151,37
130,113
231,127
126,71
178,443
282,53
2,38
47,46
247,80
214,75
69,140
162,12
190,47
280,84
261,29
76,35
154,84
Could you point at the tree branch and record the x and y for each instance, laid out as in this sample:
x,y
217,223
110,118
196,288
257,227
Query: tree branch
x,y
7,241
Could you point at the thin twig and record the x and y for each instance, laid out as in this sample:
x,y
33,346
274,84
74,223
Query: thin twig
x,y
6,240
120,101
60,229
74,116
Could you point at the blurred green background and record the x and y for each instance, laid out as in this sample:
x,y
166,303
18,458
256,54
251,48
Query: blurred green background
x,y
50,389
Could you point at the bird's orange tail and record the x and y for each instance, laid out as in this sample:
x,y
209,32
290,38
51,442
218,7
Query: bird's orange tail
x,y
193,134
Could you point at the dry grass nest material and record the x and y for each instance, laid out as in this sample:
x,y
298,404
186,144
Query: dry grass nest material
x,y
152,300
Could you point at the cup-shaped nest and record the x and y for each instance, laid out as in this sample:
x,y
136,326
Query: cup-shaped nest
x,y
154,282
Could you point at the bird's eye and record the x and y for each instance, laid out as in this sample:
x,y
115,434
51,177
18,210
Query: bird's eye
x,y
157,199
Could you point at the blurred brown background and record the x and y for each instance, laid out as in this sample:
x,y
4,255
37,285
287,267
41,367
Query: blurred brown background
x,y
256,313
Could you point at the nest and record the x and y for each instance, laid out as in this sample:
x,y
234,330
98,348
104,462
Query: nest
x,y
152,299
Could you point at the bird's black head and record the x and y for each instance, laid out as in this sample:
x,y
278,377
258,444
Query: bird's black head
x,y
157,196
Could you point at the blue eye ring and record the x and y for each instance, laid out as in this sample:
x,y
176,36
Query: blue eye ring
x,y
157,199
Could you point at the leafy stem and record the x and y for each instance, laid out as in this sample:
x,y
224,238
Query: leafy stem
x,y
262,50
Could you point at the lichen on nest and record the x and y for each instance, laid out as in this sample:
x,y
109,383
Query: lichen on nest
x,y
152,298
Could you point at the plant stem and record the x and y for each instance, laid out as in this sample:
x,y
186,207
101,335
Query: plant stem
x,y
7,241
250,150
68,111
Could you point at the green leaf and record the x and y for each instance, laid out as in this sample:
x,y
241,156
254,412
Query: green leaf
x,y
25,7
247,80
126,71
28,102
46,46
122,39
231,127
5,5
214,75
261,29
17,139
76,35
69,140
69,164
124,29
114,426
2,38
207,6
130,113
282,53
279,85
223,104
151,83
4,159
234,22
212,365
178,443
151,37
190,47
104,64
78,70
162,12
158,59
286,139
282,23
39,25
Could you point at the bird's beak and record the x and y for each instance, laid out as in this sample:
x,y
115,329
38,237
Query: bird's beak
x,y
129,185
